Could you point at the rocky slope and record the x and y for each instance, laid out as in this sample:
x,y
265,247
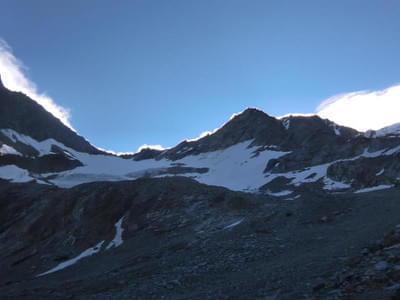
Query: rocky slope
x,y
263,208
25,116
251,152
174,238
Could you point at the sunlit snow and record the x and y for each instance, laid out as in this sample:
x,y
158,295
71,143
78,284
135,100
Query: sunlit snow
x,y
117,240
234,224
280,194
5,149
235,167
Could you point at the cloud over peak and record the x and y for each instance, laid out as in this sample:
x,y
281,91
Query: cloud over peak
x,y
12,72
363,110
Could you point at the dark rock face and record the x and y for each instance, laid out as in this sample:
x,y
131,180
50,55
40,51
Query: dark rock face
x,y
43,164
144,154
382,170
311,138
22,114
185,240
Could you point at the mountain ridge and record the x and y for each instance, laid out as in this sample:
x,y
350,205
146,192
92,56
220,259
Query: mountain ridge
x,y
275,154
289,208
26,116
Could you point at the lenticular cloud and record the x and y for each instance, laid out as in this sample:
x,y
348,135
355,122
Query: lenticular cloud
x,y
363,110
13,77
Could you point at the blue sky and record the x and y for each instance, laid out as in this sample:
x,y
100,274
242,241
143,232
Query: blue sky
x,y
157,72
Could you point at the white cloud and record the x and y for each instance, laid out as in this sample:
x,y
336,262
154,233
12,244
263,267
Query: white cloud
x,y
13,78
363,110
154,147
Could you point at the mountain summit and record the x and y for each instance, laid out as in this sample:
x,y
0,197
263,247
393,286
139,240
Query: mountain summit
x,y
25,116
251,152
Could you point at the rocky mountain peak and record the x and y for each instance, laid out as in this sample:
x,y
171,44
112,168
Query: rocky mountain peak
x,y
250,118
25,116
250,113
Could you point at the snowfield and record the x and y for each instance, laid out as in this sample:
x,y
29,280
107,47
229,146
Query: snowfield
x,y
15,174
234,168
237,167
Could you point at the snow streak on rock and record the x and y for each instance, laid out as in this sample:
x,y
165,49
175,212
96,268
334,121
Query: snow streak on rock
x,y
70,262
374,188
8,150
117,241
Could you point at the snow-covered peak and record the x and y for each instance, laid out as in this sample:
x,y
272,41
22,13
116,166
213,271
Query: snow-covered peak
x,y
389,130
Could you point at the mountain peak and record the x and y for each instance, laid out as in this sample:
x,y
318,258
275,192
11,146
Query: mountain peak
x,y
250,112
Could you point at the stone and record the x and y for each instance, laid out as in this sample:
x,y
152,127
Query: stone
x,y
365,251
393,287
319,285
324,219
381,266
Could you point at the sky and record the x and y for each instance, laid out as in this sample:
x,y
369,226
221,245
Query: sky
x,y
127,73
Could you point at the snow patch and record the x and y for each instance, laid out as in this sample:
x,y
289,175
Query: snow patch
x,y
272,147
307,175
334,185
234,167
280,194
117,241
286,123
336,129
392,130
234,224
42,147
391,151
380,172
70,262
314,173
14,174
292,198
69,155
8,150
374,188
